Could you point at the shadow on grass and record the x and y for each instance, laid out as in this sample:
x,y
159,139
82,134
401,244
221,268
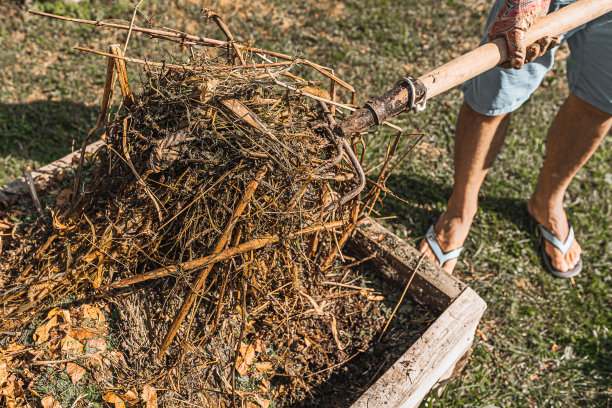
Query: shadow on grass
x,y
41,132
427,199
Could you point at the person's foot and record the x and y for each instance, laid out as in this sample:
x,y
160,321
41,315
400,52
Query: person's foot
x,y
553,219
451,232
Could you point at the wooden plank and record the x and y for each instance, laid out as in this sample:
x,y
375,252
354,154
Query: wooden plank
x,y
396,260
18,187
410,379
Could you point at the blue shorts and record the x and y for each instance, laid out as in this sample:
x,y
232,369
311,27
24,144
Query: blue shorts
x,y
589,70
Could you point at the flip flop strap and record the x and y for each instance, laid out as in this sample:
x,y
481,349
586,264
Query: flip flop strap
x,y
441,256
556,242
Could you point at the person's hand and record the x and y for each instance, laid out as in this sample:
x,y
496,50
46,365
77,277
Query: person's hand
x,y
511,23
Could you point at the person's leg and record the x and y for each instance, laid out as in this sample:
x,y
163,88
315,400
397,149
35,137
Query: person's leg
x,y
573,137
481,128
478,139
577,130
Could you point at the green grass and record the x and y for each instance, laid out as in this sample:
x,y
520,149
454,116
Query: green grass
x,y
548,342
56,382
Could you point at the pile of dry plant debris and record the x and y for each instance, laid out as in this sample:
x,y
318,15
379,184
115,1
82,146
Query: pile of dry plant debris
x,y
196,261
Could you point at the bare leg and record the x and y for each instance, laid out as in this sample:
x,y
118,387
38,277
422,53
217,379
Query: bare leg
x,y
573,137
478,139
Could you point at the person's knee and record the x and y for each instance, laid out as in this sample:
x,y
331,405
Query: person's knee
x,y
467,111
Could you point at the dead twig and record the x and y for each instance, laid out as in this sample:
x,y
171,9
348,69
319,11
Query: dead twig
x,y
399,302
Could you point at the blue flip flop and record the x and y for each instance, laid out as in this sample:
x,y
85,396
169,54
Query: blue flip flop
x,y
441,256
561,246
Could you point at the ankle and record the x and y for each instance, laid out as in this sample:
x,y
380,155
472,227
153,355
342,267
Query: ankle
x,y
461,213
550,215
545,209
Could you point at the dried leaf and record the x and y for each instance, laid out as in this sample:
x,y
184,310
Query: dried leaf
x,y
50,402
63,197
57,225
12,389
42,332
245,360
38,291
93,313
12,348
75,372
71,346
263,403
115,399
97,343
316,91
4,372
83,334
149,396
377,298
260,346
130,397
263,366
65,314
207,90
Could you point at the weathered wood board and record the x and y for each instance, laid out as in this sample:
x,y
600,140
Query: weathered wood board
x,y
16,188
433,357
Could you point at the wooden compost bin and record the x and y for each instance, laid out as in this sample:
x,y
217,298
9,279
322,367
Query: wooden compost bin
x,y
443,350
439,354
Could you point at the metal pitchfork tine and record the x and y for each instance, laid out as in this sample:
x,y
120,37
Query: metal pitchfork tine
x,y
342,145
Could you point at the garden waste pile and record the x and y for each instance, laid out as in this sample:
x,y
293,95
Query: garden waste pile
x,y
194,259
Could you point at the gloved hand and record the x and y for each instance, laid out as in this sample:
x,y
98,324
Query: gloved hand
x,y
511,23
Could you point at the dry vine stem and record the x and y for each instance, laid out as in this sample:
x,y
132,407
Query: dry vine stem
x,y
218,188
203,274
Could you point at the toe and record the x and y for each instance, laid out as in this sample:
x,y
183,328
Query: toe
x,y
556,258
573,255
423,247
425,250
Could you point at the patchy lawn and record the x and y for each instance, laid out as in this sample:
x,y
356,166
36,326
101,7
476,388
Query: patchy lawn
x,y
546,342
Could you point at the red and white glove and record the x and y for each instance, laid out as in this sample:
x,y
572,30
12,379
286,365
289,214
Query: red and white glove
x,y
511,23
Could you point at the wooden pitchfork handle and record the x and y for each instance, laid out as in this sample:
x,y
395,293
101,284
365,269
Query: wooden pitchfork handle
x,y
409,93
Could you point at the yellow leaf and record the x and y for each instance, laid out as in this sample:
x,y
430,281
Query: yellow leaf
x,y
245,360
130,397
65,314
70,345
316,91
149,396
263,366
50,402
93,313
263,403
42,332
75,372
113,398
98,343
4,373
